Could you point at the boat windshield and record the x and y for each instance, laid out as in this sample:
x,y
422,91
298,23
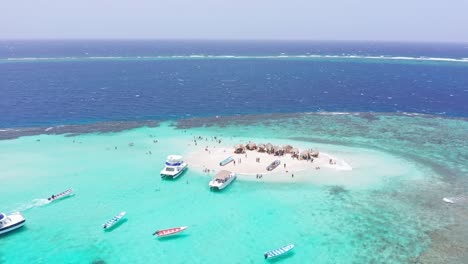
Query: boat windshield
x,y
169,169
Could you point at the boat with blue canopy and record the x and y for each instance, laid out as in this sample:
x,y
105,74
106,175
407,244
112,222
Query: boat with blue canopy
x,y
175,165
226,161
11,222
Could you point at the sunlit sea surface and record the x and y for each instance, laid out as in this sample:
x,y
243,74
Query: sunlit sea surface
x,y
67,121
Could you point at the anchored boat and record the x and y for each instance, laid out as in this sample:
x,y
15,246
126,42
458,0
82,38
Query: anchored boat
x,y
114,220
273,165
11,222
456,199
170,231
175,165
226,161
222,179
60,195
278,252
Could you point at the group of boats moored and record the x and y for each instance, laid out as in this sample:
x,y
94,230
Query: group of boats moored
x,y
175,166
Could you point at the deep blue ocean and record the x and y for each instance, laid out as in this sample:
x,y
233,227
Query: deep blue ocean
x,y
63,82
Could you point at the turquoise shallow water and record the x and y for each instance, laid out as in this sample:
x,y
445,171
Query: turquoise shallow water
x,y
389,220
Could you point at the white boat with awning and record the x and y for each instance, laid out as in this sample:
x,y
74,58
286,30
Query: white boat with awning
x,y
11,222
175,165
222,179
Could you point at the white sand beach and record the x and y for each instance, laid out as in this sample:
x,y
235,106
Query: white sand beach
x,y
246,165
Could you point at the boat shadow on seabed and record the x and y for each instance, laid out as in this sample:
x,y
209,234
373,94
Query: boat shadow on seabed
x,y
14,232
280,258
176,236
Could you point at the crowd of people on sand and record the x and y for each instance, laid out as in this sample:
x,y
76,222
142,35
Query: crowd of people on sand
x,y
196,140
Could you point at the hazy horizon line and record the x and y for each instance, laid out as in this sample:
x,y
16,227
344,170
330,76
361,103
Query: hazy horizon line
x,y
238,40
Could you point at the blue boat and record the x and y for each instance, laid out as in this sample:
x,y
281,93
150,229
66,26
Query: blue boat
x,y
278,252
226,161
273,165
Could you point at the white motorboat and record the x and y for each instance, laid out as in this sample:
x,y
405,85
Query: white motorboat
x,y
114,220
11,222
222,179
61,195
175,165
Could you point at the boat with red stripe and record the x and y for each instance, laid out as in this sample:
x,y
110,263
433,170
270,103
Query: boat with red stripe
x,y
169,231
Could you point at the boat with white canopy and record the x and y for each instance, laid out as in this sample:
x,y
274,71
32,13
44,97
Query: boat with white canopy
x,y
222,179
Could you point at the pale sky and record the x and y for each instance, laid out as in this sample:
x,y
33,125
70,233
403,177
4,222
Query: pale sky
x,y
396,20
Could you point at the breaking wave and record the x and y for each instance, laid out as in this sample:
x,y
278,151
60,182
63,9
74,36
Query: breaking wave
x,y
239,57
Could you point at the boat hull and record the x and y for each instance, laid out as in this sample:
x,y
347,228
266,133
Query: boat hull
x,y
114,221
214,185
15,221
448,200
175,175
61,195
273,165
278,252
170,231
226,161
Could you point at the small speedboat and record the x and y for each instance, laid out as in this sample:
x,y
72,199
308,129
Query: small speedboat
x,y
11,222
273,165
170,231
60,195
462,199
175,165
222,179
278,252
448,200
226,161
114,220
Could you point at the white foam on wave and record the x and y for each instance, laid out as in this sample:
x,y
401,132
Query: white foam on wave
x,y
282,56
334,113
34,203
456,200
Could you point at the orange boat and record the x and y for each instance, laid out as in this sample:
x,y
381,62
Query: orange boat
x,y
170,231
